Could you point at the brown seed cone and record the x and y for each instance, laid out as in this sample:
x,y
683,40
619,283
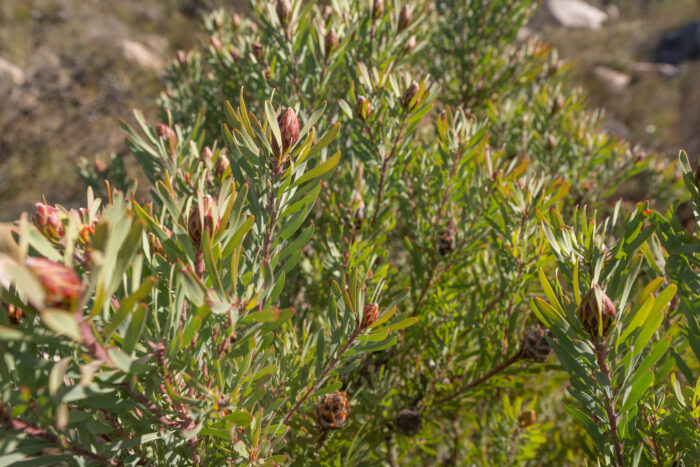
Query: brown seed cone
x,y
408,96
596,306
61,284
535,346
370,313
405,17
447,240
409,422
48,221
289,131
527,418
195,228
332,411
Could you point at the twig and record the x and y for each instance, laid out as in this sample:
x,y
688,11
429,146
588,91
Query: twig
x,y
601,354
35,431
385,166
330,367
494,371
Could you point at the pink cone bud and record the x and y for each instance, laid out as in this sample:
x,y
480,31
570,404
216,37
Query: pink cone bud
x,y
331,41
410,44
377,8
363,108
61,284
222,164
216,43
194,225
405,17
236,21
596,306
409,95
284,11
289,131
370,313
206,155
165,132
48,220
182,57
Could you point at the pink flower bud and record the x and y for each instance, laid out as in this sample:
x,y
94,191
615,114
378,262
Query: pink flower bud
x,y
596,309
236,21
206,155
194,225
222,164
61,284
408,96
165,132
48,220
405,17
363,108
410,44
289,131
370,313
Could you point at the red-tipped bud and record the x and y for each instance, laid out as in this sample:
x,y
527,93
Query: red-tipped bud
x,y
409,95
236,21
15,314
289,131
100,166
222,164
154,245
216,43
182,57
48,220
527,418
206,155
370,313
405,17
331,41
596,312
197,222
332,411
410,44
61,284
165,132
363,108
377,8
284,11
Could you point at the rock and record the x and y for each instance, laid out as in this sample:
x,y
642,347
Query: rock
x,y
11,72
576,14
680,45
613,80
141,55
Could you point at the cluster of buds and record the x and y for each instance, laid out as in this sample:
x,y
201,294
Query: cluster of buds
x,y
165,132
370,313
61,284
448,239
14,314
363,108
408,422
199,221
408,96
330,41
332,411
597,312
289,131
48,221
527,418
535,346
405,17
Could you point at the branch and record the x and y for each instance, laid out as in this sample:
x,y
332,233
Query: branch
x,y
385,166
601,353
35,431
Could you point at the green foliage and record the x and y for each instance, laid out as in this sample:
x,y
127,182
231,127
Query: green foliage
x,y
214,318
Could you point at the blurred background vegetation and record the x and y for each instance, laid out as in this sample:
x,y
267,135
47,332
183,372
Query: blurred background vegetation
x,y
70,69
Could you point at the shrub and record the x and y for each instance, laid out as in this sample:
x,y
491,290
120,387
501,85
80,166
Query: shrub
x,y
345,260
